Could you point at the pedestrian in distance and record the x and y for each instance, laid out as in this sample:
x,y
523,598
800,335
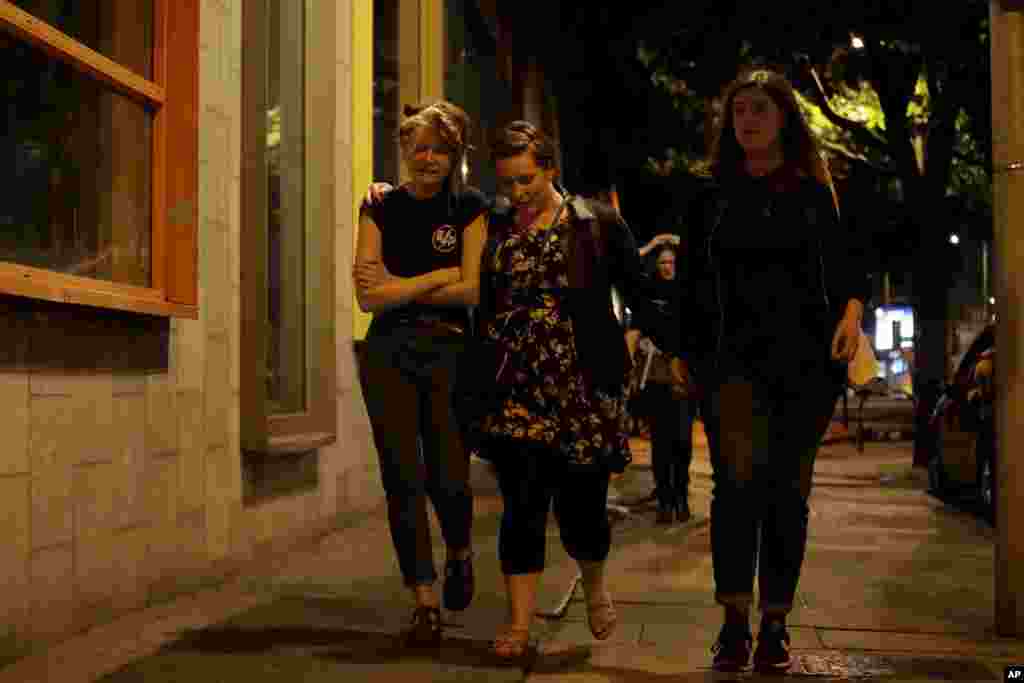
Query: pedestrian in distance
x,y
670,416
773,314
417,269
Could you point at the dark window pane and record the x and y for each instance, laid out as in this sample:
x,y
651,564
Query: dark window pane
x,y
385,90
121,30
76,165
286,225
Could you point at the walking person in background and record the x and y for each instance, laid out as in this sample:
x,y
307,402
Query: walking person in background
x,y
773,316
417,269
670,416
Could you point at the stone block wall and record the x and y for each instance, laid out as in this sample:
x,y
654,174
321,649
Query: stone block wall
x,y
121,471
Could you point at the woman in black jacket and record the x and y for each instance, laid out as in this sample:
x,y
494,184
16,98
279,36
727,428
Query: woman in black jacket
x,y
773,316
671,416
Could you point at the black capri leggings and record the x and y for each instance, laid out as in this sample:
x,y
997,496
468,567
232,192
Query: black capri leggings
x,y
531,476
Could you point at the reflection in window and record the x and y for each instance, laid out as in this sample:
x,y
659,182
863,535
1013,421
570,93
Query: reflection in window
x,y
386,91
286,225
76,167
95,24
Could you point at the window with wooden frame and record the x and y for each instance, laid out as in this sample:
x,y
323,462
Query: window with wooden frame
x,y
287,210
99,153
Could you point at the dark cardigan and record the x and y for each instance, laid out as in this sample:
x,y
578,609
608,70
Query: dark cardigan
x,y
601,254
745,211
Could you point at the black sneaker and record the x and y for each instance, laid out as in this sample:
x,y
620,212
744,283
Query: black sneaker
x,y
666,514
732,649
772,654
458,584
425,629
683,512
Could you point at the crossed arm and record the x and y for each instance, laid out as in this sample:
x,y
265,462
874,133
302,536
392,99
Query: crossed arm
x,y
378,290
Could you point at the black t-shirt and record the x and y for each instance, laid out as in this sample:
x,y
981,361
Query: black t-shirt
x,y
421,235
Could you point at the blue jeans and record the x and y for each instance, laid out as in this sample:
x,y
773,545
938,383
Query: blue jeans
x,y
407,377
763,439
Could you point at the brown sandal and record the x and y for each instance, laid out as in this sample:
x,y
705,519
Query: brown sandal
x,y
511,642
602,618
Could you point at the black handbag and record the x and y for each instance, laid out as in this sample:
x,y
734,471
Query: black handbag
x,y
482,383
482,380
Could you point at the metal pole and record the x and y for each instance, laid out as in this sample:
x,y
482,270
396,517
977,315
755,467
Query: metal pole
x,y
1007,44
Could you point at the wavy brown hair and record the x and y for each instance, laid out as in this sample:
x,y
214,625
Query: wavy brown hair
x,y
452,124
799,146
520,136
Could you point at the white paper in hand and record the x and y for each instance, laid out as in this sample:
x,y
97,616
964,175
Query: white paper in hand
x,y
864,366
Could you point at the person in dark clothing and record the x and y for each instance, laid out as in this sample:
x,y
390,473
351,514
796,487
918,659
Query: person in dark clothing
x,y
671,418
417,268
774,309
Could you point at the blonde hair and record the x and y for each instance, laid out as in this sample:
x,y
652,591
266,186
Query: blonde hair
x,y
451,123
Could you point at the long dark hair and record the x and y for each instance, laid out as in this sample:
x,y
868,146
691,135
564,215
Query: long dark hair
x,y
799,147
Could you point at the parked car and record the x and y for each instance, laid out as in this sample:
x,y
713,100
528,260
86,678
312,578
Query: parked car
x,y
964,431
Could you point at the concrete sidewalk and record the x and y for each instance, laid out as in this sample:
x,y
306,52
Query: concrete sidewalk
x,y
896,587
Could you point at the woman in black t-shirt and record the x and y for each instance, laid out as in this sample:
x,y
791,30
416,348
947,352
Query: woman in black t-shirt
x,y
416,269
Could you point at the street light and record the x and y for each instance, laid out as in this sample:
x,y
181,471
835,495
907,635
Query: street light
x,y
992,300
857,42
954,238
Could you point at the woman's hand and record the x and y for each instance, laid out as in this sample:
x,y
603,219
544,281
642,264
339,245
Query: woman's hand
x,y
376,193
681,375
370,274
657,240
846,338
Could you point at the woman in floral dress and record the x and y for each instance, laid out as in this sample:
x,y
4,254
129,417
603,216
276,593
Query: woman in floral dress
x,y
546,281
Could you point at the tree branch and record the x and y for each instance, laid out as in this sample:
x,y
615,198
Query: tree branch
x,y
860,132
857,158
972,160
894,80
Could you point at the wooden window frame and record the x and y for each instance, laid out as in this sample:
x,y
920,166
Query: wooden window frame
x,y
173,95
263,433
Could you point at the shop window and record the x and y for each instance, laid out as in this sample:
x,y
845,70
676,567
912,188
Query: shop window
x,y
387,104
98,153
287,212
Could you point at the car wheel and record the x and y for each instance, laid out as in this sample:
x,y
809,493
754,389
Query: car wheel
x,y
987,484
936,476
938,482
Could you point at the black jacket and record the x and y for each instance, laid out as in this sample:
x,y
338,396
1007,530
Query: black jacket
x,y
659,312
768,276
601,254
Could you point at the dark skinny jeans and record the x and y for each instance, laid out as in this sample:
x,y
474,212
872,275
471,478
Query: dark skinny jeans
x,y
763,438
671,444
407,377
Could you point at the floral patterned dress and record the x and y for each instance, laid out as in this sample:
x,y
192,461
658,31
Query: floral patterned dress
x,y
549,402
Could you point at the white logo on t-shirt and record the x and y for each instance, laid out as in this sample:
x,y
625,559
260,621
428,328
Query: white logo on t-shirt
x,y
444,239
